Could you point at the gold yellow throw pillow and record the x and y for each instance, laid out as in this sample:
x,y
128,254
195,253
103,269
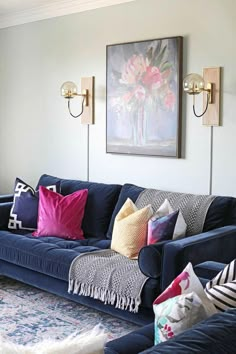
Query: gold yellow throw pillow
x,y
130,229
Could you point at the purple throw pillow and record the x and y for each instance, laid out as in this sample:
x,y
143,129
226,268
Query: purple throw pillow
x,y
24,212
162,228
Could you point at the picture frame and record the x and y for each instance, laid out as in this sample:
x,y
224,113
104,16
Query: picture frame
x,y
144,98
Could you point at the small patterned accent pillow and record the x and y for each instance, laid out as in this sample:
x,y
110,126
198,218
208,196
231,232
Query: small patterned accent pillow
x,y
24,212
130,229
221,290
185,283
180,226
176,315
160,229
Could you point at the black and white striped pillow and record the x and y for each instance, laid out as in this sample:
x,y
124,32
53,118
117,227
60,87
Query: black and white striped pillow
x,y
221,290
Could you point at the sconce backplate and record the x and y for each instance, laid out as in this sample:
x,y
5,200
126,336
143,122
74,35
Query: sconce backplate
x,y
87,83
212,115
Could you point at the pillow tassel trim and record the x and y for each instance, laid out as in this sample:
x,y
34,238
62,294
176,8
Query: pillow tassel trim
x,y
108,297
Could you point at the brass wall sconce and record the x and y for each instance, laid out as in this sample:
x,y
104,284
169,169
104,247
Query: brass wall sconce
x,y
69,90
194,84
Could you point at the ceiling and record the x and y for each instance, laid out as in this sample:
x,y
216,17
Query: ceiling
x,y
15,12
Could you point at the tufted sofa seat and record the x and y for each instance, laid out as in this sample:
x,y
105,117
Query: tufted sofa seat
x,y
48,255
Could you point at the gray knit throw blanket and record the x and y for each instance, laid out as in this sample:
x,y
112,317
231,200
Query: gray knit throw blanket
x,y
193,207
108,276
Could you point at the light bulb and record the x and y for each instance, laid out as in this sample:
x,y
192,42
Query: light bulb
x,y
69,89
193,84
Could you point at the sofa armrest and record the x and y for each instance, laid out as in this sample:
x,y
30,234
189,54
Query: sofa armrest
x,y
209,269
4,215
5,198
132,343
217,245
150,259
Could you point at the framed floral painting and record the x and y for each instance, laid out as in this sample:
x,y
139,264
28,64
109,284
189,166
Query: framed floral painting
x,y
144,97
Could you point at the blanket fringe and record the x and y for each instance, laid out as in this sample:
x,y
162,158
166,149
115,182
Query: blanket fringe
x,y
108,297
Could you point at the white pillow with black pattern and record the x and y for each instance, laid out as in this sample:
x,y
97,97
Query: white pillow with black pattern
x,y
221,290
24,211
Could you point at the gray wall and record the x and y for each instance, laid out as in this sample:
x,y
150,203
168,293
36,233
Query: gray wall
x,y
37,136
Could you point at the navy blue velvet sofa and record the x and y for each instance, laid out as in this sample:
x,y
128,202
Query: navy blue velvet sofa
x,y
44,262
215,335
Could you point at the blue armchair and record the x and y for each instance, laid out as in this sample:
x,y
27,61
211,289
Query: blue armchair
x,y
217,334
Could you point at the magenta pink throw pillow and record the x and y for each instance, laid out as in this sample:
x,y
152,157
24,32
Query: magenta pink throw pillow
x,y
60,215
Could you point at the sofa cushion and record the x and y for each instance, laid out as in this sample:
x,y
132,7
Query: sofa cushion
x,y
127,191
220,213
100,204
48,255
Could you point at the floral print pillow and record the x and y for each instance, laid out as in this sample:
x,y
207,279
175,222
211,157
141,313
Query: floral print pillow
x,y
185,283
176,314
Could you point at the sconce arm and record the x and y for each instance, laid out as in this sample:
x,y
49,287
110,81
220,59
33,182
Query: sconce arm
x,y
208,101
82,110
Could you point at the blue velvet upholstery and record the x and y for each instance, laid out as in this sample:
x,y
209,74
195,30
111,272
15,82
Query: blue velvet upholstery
x,y
215,335
209,269
48,255
6,198
100,204
219,213
44,262
127,191
59,287
4,214
133,343
150,259
216,245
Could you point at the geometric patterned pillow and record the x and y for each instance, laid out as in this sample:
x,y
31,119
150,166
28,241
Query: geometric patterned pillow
x,y
24,211
221,290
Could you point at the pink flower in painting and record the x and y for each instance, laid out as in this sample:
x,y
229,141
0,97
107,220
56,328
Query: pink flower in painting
x,y
127,97
169,100
133,70
152,77
140,93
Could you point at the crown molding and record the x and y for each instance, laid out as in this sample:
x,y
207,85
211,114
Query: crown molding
x,y
54,9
